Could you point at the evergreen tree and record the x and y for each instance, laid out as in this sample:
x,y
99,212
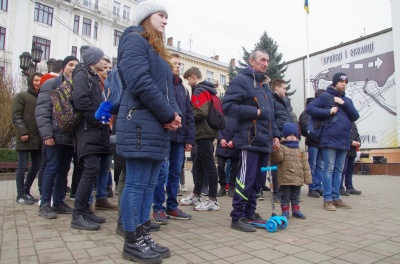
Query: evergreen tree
x,y
276,68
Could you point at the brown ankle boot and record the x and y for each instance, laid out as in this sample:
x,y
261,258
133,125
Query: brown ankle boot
x,y
104,204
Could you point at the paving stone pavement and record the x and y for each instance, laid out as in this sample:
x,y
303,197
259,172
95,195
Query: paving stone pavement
x,y
367,233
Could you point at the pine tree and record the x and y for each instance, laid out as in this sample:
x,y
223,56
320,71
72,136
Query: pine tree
x,y
276,68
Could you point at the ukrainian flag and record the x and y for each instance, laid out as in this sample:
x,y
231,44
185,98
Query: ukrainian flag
x,y
306,6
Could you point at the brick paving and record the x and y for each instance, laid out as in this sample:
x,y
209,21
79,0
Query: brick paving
x,y
367,233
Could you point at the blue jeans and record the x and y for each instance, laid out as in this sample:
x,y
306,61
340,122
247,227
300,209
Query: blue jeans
x,y
347,175
102,178
332,173
170,170
137,197
23,155
316,167
55,175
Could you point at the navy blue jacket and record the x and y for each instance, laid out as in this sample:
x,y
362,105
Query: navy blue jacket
x,y
228,134
336,129
247,93
148,102
185,134
282,112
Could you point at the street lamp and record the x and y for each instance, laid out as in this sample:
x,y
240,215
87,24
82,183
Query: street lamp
x,y
28,62
50,64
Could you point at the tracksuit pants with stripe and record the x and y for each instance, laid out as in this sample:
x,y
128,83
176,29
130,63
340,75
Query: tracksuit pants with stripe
x,y
249,182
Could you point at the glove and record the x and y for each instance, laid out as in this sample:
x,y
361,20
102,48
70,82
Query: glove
x,y
103,114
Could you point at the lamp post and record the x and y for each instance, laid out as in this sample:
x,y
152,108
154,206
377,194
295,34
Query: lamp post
x,y
28,62
50,64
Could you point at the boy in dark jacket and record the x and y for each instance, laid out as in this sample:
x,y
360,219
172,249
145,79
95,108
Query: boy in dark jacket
x,y
91,136
249,102
338,112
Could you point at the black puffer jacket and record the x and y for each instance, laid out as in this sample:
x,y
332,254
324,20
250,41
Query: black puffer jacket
x,y
91,136
23,118
354,137
282,112
47,126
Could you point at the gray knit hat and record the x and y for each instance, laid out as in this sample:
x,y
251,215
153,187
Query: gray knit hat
x,y
147,8
91,55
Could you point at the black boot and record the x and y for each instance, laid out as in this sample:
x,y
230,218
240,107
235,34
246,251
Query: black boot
x,y
81,221
164,251
94,218
136,249
120,229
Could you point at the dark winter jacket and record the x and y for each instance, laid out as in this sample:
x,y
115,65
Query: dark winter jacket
x,y
47,126
354,137
91,136
23,118
148,102
303,120
247,93
282,112
336,129
228,134
185,134
201,100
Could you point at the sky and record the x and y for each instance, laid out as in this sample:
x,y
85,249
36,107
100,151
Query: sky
x,y
223,27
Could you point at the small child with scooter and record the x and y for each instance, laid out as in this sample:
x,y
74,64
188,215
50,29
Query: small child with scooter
x,y
293,170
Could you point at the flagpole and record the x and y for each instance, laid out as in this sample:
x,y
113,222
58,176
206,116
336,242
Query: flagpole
x,y
309,92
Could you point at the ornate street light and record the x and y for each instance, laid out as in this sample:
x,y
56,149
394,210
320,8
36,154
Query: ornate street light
x,y
24,61
28,62
50,64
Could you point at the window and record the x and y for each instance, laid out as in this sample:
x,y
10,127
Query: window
x,y
114,62
74,51
116,8
44,44
96,4
2,38
182,68
117,37
76,24
87,3
209,76
4,5
126,13
96,28
43,14
222,79
86,26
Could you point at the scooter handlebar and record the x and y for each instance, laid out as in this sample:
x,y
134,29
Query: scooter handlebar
x,y
269,168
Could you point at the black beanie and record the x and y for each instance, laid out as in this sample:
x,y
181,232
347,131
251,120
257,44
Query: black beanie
x,y
289,129
68,59
340,76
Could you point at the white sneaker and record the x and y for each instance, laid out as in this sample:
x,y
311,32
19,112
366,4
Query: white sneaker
x,y
208,205
190,200
183,188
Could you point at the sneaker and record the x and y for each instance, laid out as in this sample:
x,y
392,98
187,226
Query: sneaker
x,y
160,217
354,191
261,196
313,194
190,200
328,206
221,192
46,212
39,202
340,204
72,196
30,197
110,192
23,199
62,209
183,188
242,225
116,190
255,218
179,193
231,191
204,190
178,214
343,192
208,205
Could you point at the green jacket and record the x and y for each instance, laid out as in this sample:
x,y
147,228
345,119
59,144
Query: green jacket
x,y
23,118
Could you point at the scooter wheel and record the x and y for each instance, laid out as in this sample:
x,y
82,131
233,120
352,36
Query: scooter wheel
x,y
284,223
271,226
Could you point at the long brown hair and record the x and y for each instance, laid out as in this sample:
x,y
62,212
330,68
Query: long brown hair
x,y
156,40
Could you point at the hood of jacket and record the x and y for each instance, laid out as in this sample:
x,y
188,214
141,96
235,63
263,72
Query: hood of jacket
x,y
257,76
32,90
207,86
333,91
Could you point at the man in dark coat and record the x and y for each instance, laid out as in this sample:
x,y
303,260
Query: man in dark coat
x,y
249,101
91,136
338,112
28,140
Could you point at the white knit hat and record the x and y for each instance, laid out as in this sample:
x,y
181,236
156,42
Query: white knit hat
x,y
147,8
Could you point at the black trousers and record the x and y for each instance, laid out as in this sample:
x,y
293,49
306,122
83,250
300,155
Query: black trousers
x,y
221,171
290,195
76,174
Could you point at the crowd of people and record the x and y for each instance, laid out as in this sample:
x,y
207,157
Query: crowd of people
x,y
157,121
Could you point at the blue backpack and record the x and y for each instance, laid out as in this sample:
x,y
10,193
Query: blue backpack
x,y
114,87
